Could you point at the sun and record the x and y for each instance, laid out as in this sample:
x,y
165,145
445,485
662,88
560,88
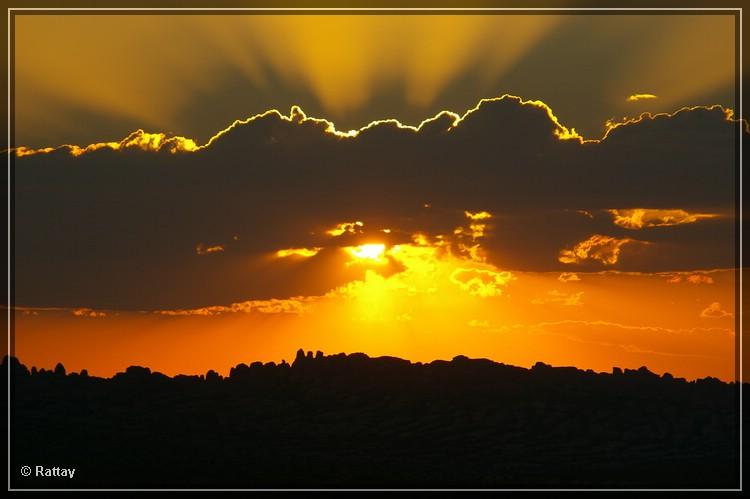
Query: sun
x,y
369,253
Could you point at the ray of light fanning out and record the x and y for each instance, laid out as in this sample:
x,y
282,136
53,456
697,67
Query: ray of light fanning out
x,y
353,68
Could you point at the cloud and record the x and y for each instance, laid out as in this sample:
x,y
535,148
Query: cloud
x,y
638,218
605,249
699,279
637,97
650,118
144,141
130,217
203,249
301,252
477,225
482,215
555,296
297,305
648,329
482,283
677,278
568,277
714,311
87,312
346,227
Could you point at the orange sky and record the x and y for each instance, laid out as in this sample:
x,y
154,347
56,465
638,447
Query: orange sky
x,y
421,301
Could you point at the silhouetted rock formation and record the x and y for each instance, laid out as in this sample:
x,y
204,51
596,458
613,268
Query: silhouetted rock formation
x,y
355,421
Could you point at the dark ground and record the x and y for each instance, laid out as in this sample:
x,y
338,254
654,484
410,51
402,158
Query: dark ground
x,y
352,421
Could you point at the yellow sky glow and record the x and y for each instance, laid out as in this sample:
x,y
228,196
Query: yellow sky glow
x,y
76,69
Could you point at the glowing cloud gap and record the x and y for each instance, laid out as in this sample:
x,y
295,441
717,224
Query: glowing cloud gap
x,y
346,227
202,249
476,226
302,252
606,249
482,215
638,218
637,97
370,253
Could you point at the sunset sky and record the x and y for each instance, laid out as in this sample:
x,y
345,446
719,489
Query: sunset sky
x,y
196,191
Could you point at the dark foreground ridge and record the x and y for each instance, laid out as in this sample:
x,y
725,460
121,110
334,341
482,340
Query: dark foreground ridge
x,y
353,421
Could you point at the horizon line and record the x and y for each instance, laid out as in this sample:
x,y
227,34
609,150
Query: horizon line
x,y
307,356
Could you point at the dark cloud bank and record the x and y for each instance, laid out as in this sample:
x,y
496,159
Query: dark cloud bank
x,y
119,229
